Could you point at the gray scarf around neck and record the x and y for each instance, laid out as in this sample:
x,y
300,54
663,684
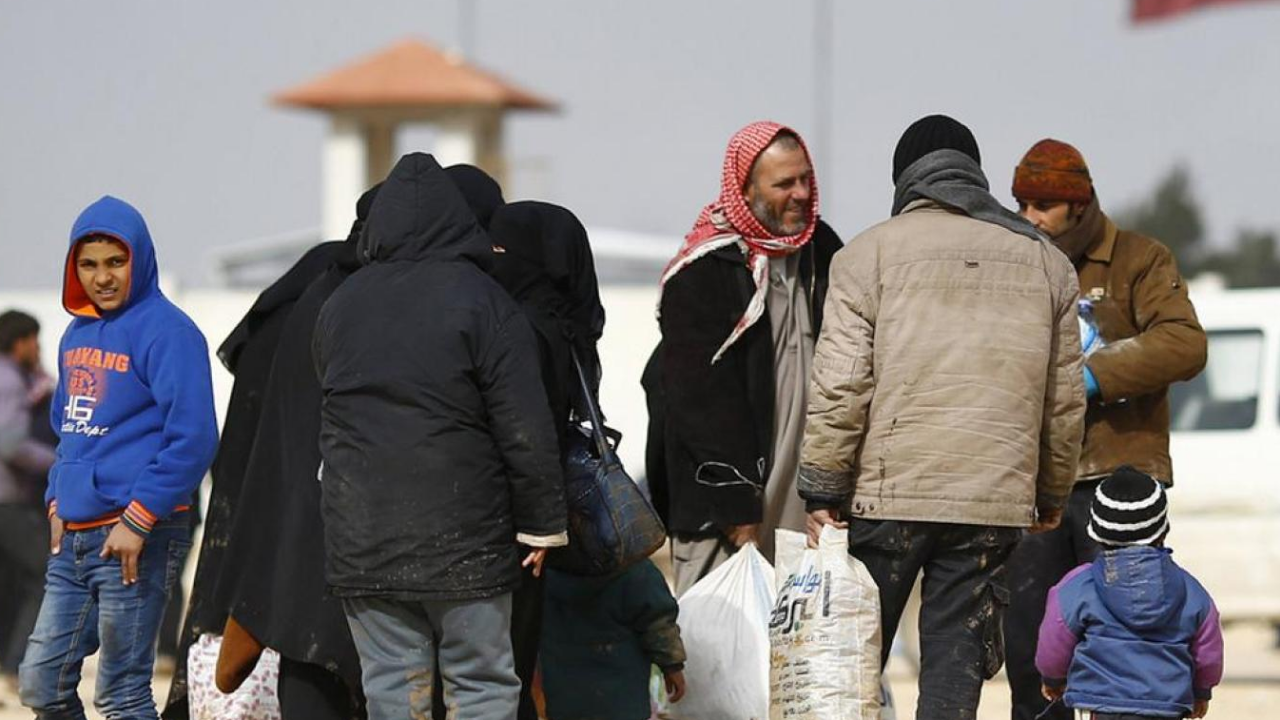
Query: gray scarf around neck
x,y
953,179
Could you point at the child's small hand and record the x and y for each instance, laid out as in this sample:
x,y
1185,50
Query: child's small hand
x,y
675,684
1201,709
1052,693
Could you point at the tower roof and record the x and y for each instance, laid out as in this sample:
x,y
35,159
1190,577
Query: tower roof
x,y
410,74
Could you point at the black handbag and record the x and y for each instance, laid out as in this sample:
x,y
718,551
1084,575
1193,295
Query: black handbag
x,y
611,523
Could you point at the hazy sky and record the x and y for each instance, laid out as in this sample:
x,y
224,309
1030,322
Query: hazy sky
x,y
166,104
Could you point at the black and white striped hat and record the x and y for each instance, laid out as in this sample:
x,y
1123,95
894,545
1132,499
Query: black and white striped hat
x,y
1129,508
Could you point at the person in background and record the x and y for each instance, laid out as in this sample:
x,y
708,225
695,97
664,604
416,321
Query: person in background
x,y
1130,635
1150,338
740,307
24,464
543,260
134,409
947,405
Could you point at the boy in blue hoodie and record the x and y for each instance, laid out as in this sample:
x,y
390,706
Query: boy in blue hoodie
x,y
133,409
1130,635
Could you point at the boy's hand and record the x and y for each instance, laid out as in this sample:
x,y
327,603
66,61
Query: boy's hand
x,y
1052,693
817,519
124,545
55,534
675,684
535,558
1201,708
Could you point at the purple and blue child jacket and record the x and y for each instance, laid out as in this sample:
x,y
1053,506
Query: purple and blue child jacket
x,y
1131,632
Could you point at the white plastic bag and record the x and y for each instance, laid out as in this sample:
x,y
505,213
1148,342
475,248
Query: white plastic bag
x,y
724,621
256,699
824,632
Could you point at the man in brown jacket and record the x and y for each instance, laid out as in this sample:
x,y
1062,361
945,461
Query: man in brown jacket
x,y
1150,339
947,405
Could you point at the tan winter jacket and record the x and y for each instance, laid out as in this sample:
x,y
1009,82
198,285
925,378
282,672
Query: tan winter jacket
x,y
948,379
1153,340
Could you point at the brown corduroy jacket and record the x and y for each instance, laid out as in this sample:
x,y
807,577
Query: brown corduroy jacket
x,y
1153,340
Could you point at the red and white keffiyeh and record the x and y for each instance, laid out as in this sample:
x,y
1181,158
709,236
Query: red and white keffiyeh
x,y
729,221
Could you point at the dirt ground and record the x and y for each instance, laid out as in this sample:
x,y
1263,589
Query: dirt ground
x,y
1251,688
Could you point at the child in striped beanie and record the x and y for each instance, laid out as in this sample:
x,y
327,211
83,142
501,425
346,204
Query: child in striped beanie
x,y
1130,635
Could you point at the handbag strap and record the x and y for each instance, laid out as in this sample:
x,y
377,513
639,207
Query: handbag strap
x,y
593,409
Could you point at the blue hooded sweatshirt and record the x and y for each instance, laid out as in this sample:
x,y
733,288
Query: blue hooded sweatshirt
x,y
133,406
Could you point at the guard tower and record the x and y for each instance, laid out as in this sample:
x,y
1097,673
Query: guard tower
x,y
410,82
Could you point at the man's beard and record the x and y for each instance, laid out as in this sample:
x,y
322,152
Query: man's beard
x,y
774,223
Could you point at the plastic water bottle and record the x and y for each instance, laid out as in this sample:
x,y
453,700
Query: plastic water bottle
x,y
1090,338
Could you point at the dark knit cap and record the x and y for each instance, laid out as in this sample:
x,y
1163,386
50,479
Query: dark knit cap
x,y
935,132
1129,508
1053,171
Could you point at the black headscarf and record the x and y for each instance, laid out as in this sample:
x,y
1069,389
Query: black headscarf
x,y
281,293
482,192
543,259
549,239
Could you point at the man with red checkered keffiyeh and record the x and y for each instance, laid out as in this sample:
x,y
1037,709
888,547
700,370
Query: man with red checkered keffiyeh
x,y
741,305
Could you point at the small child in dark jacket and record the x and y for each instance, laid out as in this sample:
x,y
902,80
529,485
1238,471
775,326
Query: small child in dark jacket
x,y
600,637
1130,635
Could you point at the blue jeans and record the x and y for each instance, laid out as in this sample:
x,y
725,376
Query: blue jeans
x,y
86,607
399,642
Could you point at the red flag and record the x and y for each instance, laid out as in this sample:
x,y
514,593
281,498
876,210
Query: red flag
x,y
1157,9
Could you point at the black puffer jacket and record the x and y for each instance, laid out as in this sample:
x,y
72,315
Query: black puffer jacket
x,y
718,418
437,442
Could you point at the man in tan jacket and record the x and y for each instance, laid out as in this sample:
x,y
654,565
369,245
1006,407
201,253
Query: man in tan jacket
x,y
946,406
1150,338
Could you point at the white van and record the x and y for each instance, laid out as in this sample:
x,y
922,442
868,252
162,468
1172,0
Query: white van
x,y
1225,502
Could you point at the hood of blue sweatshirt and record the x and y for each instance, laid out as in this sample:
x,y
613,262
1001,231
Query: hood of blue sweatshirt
x,y
134,402
116,219
1140,585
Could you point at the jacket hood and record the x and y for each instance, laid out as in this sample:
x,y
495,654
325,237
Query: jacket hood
x,y
1141,586
117,219
418,215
